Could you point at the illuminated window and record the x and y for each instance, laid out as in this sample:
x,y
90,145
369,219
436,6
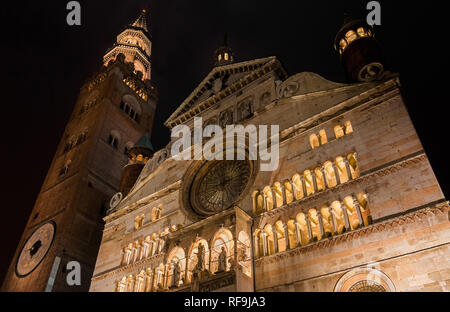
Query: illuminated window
x,y
348,127
219,57
225,56
350,36
343,44
361,32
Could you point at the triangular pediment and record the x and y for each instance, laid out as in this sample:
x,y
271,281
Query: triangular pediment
x,y
221,82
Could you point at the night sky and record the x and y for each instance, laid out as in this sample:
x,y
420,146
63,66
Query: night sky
x,y
45,62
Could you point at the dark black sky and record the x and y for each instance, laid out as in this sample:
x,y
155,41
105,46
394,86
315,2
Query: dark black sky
x,y
45,62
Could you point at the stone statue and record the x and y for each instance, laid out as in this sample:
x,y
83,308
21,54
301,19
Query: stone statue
x,y
222,261
200,258
176,274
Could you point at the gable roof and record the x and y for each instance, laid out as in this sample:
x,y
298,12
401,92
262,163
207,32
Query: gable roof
x,y
239,75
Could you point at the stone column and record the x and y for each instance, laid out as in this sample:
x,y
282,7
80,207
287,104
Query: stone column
x,y
304,186
324,175
293,191
264,202
358,211
347,167
298,234
275,239
308,224
333,221
322,230
336,173
347,221
283,194
286,236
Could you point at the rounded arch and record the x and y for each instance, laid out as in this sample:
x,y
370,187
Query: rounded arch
x,y
176,257
243,256
223,238
364,280
270,239
132,102
192,259
281,237
258,204
269,198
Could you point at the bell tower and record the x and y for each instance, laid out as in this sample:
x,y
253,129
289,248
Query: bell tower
x,y
361,54
115,108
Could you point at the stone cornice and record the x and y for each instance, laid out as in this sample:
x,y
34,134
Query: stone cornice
x,y
132,267
381,172
374,96
142,202
411,217
178,117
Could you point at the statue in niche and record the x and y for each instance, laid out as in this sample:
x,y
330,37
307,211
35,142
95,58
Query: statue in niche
x,y
245,109
225,118
222,261
176,274
200,266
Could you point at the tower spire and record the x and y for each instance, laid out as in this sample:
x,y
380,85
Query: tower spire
x,y
224,54
141,21
135,44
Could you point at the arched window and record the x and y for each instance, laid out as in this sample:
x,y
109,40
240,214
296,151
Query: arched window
x,y
243,256
302,228
338,131
314,141
348,127
315,224
222,242
225,56
281,238
323,137
270,240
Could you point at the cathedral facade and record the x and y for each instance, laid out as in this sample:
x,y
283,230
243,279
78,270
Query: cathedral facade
x,y
353,204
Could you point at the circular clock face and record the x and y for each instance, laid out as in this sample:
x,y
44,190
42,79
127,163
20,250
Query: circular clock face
x,y
218,184
35,249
